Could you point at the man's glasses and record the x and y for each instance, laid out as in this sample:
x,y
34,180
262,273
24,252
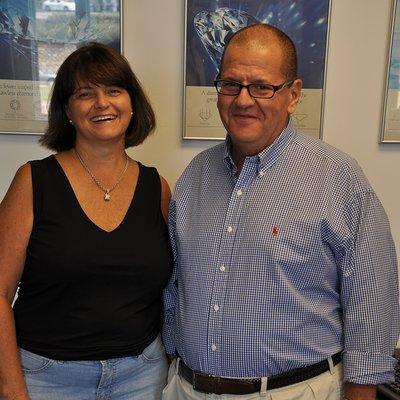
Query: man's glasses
x,y
256,90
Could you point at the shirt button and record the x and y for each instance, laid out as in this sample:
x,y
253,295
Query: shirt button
x,y
239,192
222,268
230,229
213,347
216,307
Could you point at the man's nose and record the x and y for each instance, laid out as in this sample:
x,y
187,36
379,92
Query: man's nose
x,y
244,99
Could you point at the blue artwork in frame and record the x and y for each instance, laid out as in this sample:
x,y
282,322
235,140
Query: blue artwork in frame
x,y
209,23
390,132
34,41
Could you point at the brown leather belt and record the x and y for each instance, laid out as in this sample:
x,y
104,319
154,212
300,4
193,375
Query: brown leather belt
x,y
220,385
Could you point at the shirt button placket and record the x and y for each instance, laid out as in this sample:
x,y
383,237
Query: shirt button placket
x,y
226,246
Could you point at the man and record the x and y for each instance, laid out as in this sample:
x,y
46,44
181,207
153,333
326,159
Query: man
x,y
285,279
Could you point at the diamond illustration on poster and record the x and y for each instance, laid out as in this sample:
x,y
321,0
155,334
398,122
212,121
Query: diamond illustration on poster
x,y
215,27
211,22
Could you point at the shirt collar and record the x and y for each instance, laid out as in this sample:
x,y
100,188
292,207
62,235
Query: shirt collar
x,y
267,157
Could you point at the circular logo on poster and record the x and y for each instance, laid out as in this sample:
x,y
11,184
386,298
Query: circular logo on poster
x,y
15,105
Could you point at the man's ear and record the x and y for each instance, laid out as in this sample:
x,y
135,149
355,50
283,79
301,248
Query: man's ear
x,y
295,93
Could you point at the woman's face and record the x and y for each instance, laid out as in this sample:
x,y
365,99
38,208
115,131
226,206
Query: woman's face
x,y
99,112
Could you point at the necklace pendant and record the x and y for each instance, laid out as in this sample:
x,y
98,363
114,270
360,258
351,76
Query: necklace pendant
x,y
107,196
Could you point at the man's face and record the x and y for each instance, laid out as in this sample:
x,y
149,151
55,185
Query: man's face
x,y
253,124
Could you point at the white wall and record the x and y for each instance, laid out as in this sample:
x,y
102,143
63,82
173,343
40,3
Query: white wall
x,y
153,43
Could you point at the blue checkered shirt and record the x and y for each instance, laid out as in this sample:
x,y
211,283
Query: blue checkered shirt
x,y
281,265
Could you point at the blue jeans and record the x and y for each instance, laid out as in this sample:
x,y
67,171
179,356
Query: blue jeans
x,y
127,378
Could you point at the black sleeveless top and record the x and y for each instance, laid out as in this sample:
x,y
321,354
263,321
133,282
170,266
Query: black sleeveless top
x,y
88,294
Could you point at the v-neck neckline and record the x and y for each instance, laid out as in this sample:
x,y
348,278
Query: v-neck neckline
x,y
78,204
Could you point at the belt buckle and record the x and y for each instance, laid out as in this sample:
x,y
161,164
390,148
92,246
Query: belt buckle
x,y
206,383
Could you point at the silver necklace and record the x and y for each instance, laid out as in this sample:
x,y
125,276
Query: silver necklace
x,y
107,196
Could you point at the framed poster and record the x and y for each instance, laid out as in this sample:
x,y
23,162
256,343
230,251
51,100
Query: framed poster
x,y
35,38
210,22
390,132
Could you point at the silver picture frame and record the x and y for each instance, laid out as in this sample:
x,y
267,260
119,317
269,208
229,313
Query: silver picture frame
x,y
200,115
31,56
390,126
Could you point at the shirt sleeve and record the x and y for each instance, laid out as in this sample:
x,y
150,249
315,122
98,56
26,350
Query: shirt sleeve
x,y
171,290
369,293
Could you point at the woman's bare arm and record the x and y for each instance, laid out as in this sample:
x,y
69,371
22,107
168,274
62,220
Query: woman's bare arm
x,y
16,219
165,197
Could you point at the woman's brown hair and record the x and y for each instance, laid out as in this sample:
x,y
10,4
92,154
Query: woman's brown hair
x,y
98,64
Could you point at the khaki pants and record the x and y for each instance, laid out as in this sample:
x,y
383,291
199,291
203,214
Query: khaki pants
x,y
327,386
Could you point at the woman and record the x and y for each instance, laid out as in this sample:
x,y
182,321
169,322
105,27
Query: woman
x,y
83,234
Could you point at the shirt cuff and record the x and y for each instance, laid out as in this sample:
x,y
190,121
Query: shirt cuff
x,y
368,368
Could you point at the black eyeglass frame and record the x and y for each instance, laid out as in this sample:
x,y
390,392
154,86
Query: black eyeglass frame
x,y
275,88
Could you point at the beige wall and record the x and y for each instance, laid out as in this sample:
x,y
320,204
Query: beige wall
x,y
153,43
